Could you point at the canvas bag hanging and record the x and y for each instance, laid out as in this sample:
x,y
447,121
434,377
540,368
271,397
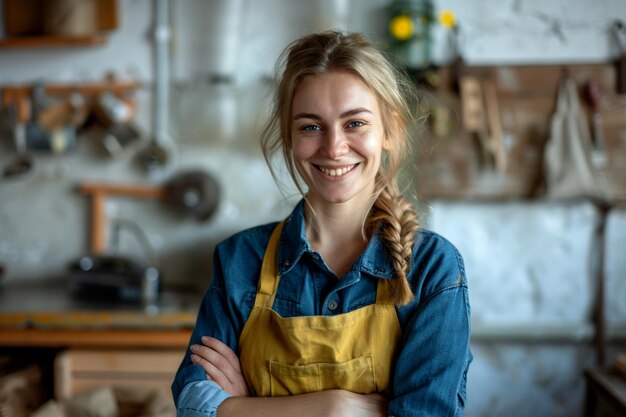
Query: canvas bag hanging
x,y
568,165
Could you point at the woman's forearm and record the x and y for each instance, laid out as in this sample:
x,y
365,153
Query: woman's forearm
x,y
318,404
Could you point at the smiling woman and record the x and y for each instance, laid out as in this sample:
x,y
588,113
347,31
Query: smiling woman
x,y
346,307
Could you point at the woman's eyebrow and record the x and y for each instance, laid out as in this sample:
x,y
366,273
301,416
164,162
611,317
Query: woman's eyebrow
x,y
353,112
343,115
306,116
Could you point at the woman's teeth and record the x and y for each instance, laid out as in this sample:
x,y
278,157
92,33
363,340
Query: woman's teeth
x,y
336,172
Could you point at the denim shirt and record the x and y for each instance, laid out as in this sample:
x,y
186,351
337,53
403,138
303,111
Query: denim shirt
x,y
429,374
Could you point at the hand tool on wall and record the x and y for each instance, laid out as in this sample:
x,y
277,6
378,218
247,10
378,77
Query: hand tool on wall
x,y
58,111
57,136
618,29
156,155
18,107
598,149
474,119
115,113
496,134
192,193
481,116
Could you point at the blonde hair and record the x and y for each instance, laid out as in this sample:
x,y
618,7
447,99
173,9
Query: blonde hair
x,y
321,53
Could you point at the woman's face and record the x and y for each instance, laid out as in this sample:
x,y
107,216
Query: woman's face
x,y
337,137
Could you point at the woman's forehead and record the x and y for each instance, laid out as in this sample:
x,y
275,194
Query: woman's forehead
x,y
339,90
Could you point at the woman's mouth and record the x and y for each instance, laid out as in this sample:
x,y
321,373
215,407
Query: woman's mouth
x,y
337,171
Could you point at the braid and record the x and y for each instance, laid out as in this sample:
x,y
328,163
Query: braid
x,y
398,223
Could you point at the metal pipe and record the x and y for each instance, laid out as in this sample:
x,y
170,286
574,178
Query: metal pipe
x,y
162,37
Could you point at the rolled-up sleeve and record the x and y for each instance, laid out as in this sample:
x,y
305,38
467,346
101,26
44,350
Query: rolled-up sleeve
x,y
200,399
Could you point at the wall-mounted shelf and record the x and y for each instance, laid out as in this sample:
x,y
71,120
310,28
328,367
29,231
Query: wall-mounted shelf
x,y
44,24
51,41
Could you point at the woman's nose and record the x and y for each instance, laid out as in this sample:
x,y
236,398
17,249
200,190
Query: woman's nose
x,y
335,144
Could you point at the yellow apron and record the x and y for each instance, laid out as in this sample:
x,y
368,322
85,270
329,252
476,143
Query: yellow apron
x,y
286,356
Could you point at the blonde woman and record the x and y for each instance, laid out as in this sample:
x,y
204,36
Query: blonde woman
x,y
347,307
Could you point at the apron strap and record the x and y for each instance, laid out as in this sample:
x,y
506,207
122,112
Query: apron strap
x,y
384,291
268,281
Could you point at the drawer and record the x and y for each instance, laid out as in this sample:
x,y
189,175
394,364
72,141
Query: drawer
x,y
80,370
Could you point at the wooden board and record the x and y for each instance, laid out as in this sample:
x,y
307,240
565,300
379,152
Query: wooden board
x,y
453,166
58,338
77,370
620,363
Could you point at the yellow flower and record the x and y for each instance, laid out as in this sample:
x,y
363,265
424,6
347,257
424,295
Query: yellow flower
x,y
447,19
401,27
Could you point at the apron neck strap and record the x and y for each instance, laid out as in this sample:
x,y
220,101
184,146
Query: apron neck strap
x,y
384,291
268,281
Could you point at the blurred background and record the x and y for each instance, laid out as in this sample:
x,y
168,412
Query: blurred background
x,y
129,148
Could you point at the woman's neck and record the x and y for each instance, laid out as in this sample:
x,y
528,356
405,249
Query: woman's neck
x,y
336,232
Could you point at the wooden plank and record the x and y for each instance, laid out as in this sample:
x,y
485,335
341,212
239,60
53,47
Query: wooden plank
x,y
97,320
13,92
620,364
532,80
107,12
51,41
453,166
80,385
23,17
125,361
78,370
95,338
130,190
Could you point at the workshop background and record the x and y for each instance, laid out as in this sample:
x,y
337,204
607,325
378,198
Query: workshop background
x,y
130,132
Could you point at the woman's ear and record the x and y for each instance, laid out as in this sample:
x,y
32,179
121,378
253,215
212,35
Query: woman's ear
x,y
386,143
392,129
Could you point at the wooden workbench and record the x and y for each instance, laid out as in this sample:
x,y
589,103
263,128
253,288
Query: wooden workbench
x,y
47,316
98,344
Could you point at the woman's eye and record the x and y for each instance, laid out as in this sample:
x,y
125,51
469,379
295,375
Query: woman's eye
x,y
310,128
355,123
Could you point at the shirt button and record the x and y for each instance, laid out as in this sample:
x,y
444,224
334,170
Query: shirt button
x,y
332,305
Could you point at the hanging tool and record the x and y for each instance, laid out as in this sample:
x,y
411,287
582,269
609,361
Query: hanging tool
x,y
616,29
481,116
496,134
156,156
18,108
598,150
192,193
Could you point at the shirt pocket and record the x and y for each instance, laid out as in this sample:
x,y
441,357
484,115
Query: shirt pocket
x,y
356,375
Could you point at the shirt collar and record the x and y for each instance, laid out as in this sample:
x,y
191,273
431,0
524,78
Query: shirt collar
x,y
294,243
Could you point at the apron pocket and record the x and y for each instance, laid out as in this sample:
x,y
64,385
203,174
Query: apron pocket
x,y
356,375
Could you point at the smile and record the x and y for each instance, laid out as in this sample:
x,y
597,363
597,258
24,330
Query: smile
x,y
336,172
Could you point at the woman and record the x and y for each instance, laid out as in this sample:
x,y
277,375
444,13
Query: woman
x,y
346,307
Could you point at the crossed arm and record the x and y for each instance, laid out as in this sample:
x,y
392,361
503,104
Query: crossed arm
x,y
222,366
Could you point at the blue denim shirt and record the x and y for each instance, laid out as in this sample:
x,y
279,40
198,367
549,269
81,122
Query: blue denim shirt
x,y
430,371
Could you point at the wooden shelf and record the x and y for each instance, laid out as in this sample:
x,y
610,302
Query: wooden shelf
x,y
105,338
34,24
51,41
